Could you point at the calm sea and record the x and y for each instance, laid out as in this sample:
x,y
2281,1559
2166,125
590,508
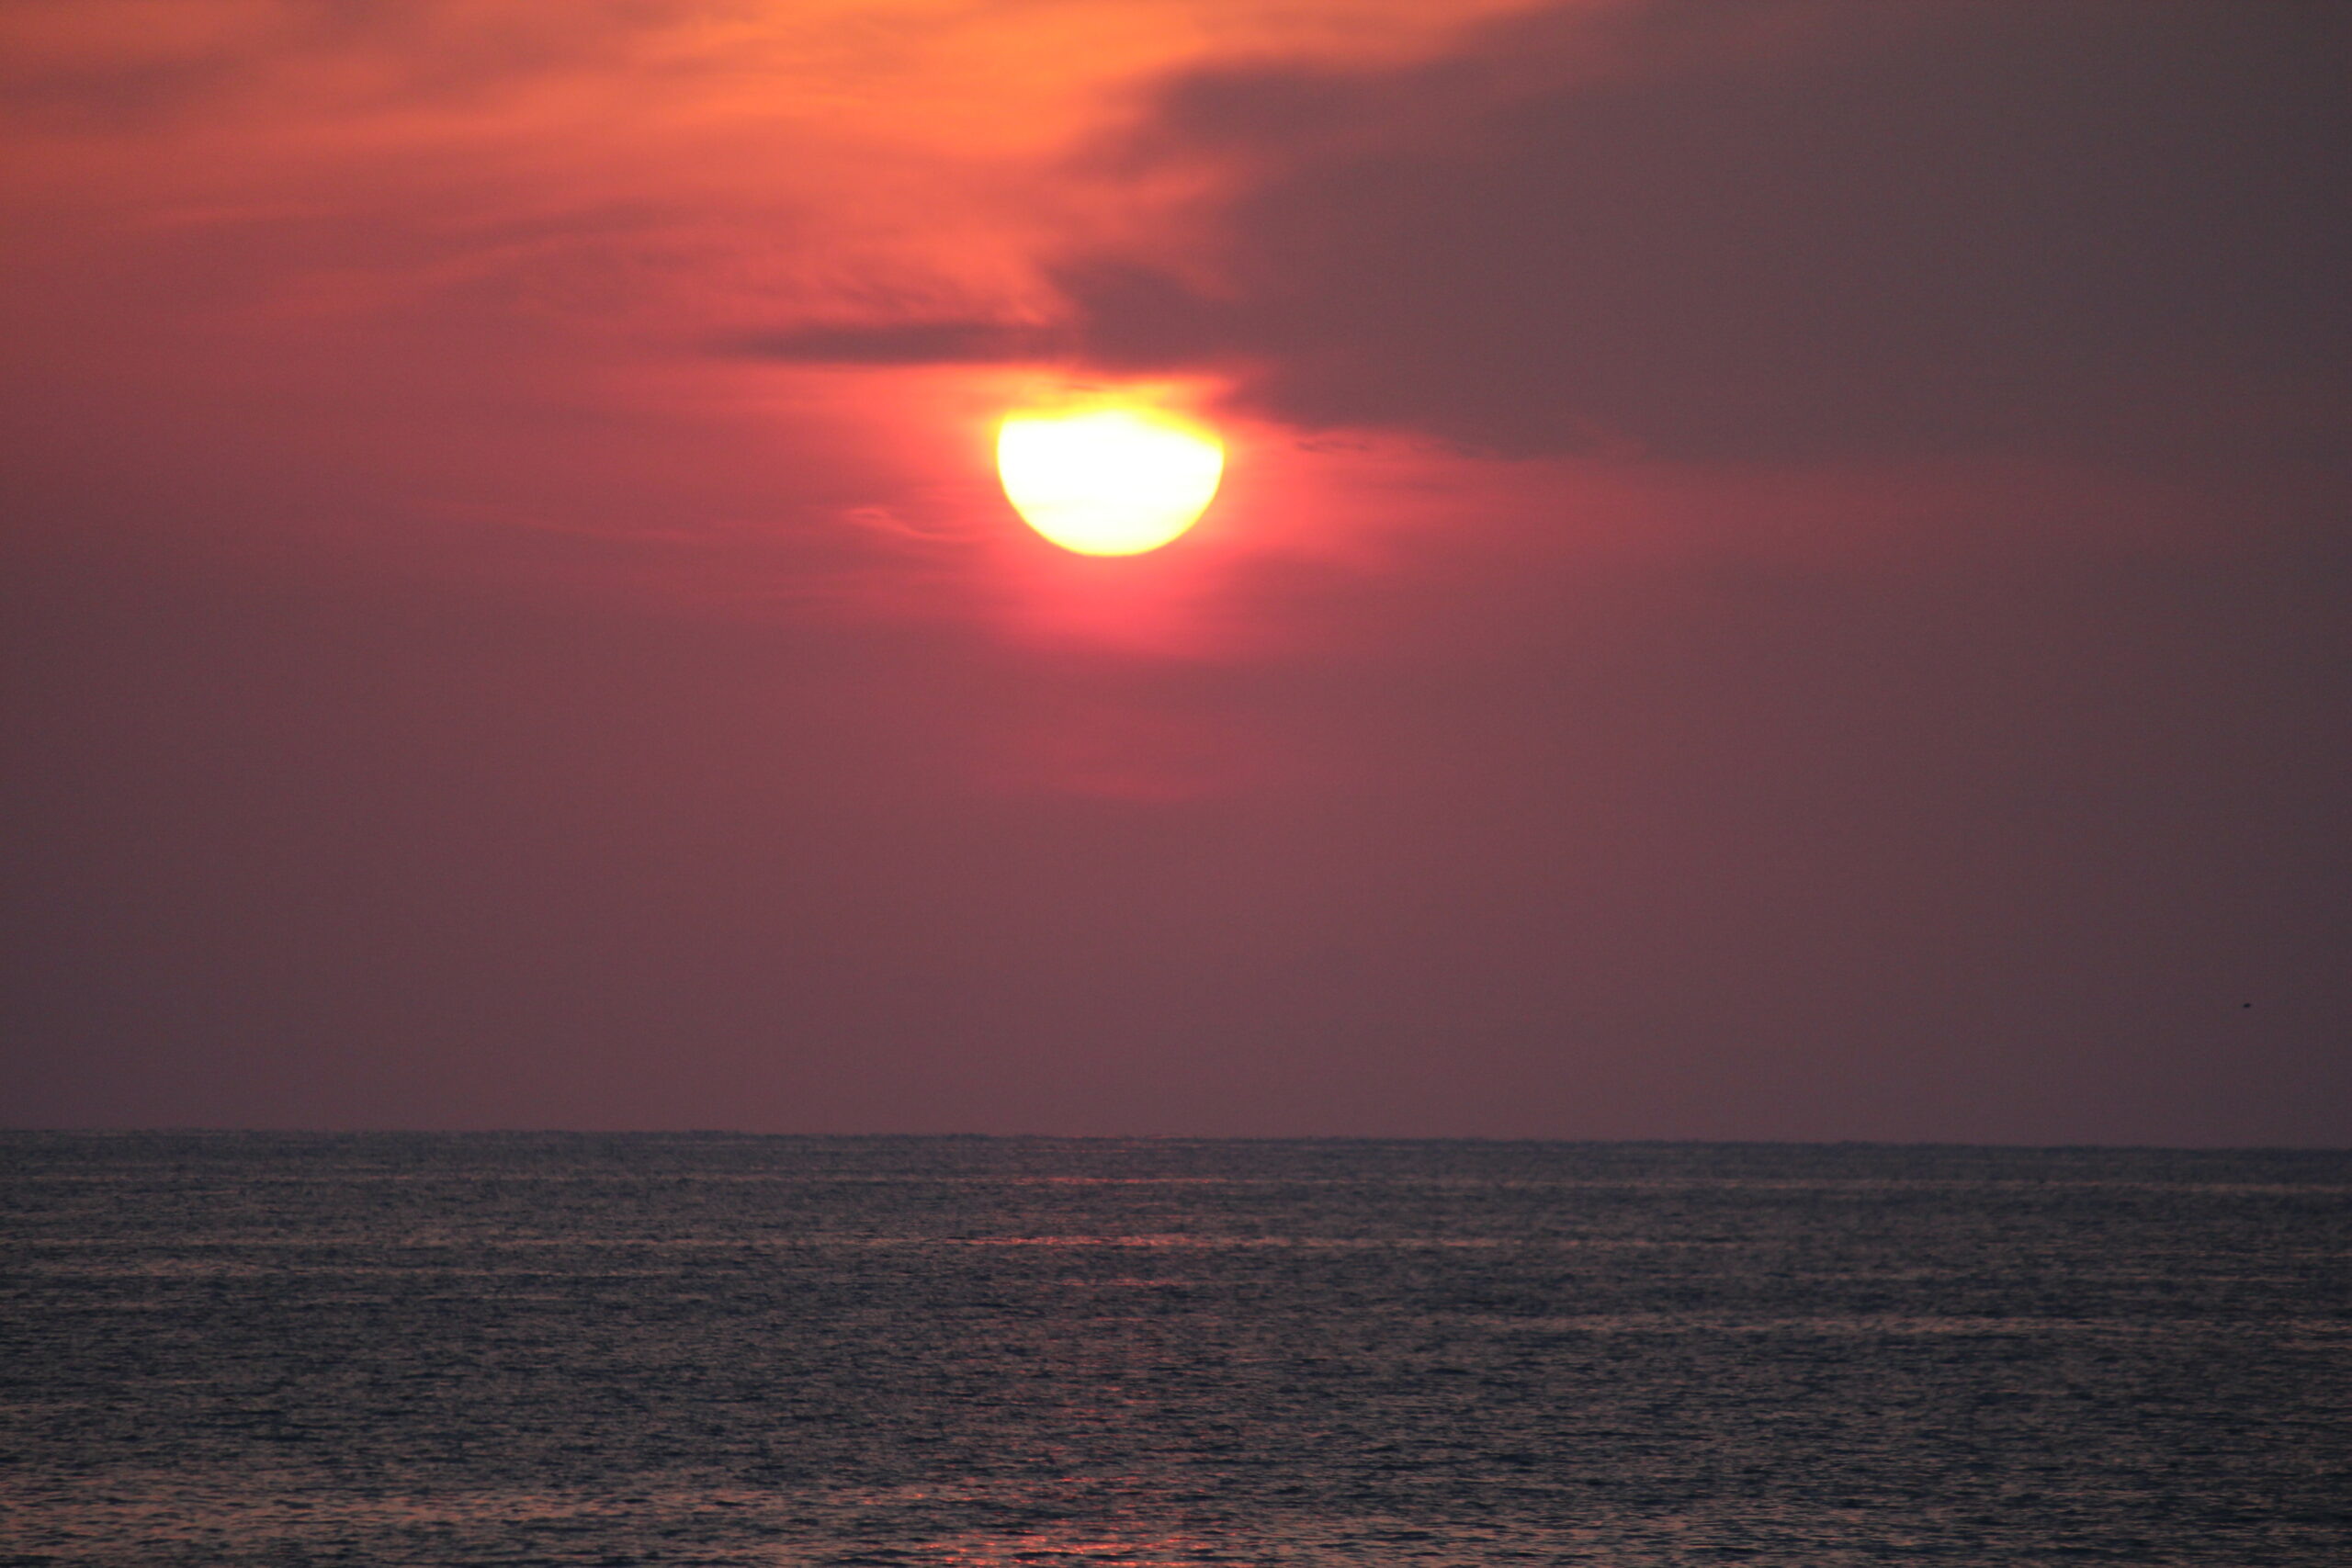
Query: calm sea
x,y
899,1352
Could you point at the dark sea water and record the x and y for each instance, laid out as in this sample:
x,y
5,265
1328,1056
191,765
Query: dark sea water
x,y
896,1352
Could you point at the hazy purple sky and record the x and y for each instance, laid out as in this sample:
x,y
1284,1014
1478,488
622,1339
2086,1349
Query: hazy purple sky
x,y
1785,568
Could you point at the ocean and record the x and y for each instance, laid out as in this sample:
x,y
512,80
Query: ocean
x,y
1040,1353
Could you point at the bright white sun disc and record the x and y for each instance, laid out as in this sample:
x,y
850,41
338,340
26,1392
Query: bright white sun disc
x,y
1108,483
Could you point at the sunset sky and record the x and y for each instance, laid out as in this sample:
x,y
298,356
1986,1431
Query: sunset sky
x,y
1784,568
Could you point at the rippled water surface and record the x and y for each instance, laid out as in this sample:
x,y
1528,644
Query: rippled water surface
x,y
899,1352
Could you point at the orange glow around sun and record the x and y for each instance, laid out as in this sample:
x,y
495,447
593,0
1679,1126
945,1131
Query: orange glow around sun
x,y
1108,481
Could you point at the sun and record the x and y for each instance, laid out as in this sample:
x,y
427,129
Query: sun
x,y
1114,481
